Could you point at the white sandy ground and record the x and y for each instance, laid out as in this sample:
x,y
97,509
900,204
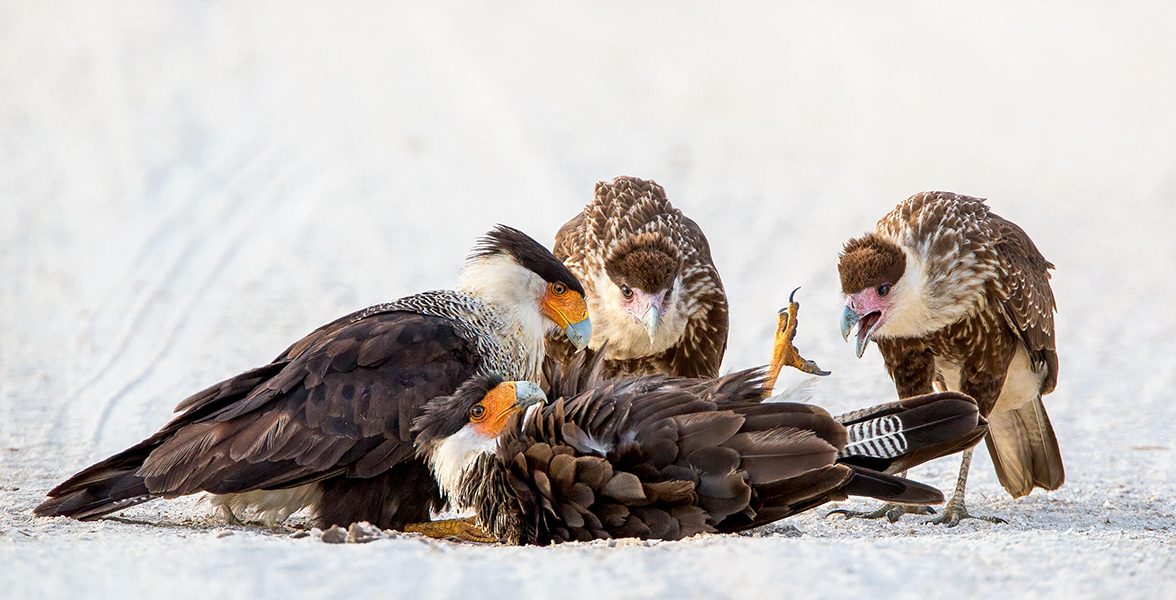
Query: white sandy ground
x,y
188,187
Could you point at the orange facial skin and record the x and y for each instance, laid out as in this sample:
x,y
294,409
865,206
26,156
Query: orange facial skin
x,y
563,305
491,414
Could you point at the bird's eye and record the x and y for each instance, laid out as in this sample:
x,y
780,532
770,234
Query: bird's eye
x,y
626,291
558,288
884,289
477,412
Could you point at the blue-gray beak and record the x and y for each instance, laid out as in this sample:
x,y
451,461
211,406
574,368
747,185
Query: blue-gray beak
x,y
651,320
866,326
579,333
527,393
848,320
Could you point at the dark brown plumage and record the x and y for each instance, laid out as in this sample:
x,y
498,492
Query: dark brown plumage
x,y
657,457
328,423
954,293
652,287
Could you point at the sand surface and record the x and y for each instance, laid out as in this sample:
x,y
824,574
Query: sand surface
x,y
188,187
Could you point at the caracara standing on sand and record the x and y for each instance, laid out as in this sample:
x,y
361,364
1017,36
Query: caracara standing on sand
x,y
953,293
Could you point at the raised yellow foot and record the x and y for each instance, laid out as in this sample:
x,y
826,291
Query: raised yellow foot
x,y
461,530
784,353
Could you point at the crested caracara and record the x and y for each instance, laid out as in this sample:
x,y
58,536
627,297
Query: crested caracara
x,y
327,425
652,288
954,294
661,457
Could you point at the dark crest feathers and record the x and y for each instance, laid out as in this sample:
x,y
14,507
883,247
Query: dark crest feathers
x,y
529,253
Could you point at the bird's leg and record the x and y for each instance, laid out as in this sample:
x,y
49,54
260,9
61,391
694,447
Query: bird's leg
x,y
461,530
892,512
783,352
226,513
955,509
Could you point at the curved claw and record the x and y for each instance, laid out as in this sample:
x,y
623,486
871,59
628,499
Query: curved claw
x,y
792,296
892,512
953,514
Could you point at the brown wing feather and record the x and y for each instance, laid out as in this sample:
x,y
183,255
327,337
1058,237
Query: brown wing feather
x,y
336,403
1029,306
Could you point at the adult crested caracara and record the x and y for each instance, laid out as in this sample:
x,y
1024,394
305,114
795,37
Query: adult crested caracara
x,y
666,458
328,423
652,287
953,293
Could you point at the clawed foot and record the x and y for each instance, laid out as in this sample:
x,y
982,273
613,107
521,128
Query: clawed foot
x,y
784,353
953,513
461,530
892,512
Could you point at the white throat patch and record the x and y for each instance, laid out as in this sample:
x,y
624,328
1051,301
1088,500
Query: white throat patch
x,y
453,455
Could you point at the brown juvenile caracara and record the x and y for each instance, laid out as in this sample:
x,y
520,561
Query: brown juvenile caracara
x,y
652,288
952,293
327,424
661,457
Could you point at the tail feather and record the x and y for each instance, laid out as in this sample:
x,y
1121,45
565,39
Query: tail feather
x,y
890,488
899,435
1025,450
101,489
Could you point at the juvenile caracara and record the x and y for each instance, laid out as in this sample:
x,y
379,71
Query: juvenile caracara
x,y
328,423
652,288
953,293
660,457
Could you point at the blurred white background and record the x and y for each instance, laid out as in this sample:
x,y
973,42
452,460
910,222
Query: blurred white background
x,y
188,187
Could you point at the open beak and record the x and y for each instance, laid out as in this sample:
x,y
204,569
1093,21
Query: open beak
x,y
848,320
651,320
579,333
865,327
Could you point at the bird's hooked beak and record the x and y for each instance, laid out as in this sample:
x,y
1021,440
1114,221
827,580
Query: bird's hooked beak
x,y
579,333
651,320
867,325
527,393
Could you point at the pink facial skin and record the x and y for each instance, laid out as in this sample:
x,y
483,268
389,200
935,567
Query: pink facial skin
x,y
868,301
866,309
647,309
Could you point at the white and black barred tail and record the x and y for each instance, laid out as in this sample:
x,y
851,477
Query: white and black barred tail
x,y
894,437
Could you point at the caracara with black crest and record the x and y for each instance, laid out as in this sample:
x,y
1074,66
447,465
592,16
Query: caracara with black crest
x,y
659,457
327,425
953,293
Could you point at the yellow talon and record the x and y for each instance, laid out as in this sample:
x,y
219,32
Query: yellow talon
x,y
784,353
461,530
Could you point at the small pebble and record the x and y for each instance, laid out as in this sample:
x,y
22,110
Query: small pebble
x,y
224,533
300,534
335,535
362,533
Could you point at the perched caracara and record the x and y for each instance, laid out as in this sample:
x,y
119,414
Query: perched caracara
x,y
652,288
666,458
953,293
328,423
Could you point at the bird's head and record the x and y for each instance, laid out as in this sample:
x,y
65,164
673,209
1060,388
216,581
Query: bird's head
x,y
872,272
517,274
644,273
453,431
